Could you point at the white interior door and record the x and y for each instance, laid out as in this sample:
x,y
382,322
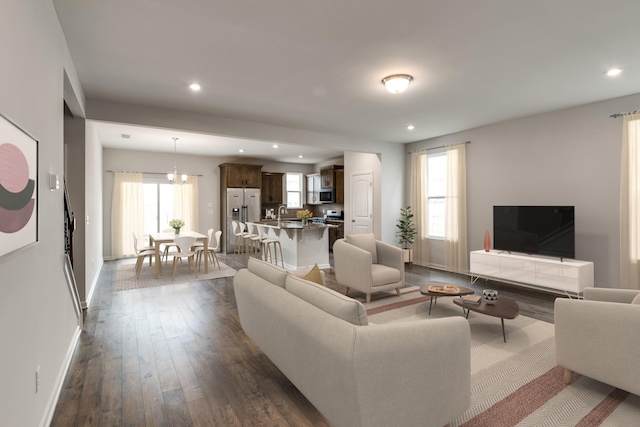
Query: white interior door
x,y
362,202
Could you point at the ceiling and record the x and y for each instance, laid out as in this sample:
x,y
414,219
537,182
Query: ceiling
x,y
317,66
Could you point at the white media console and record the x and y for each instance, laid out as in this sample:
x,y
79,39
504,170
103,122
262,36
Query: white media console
x,y
568,276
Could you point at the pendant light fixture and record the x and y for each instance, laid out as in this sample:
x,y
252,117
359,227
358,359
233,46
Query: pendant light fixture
x,y
397,83
173,176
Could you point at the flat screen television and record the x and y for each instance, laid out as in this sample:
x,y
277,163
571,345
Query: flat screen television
x,y
544,230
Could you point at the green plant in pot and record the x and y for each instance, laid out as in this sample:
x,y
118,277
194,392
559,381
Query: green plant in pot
x,y
406,232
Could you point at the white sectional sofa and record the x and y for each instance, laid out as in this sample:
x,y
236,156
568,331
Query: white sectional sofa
x,y
399,374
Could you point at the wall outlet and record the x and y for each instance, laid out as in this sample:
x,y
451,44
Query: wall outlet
x,y
38,379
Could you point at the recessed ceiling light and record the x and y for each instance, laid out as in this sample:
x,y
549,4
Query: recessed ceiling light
x,y
275,145
613,72
125,136
195,87
241,150
411,127
300,156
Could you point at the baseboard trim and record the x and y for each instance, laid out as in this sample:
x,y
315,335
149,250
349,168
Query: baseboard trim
x,y
47,417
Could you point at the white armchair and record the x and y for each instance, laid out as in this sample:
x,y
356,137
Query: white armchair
x,y
368,265
597,337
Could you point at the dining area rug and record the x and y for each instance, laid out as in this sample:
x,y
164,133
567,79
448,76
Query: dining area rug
x,y
516,383
126,275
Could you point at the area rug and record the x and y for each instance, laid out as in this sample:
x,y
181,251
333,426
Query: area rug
x,y
516,383
126,275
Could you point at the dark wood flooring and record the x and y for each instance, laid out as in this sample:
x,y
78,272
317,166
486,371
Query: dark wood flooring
x,y
177,356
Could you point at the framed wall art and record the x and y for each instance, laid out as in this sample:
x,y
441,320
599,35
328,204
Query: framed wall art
x,y
18,187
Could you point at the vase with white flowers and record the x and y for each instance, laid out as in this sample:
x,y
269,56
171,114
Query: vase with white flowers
x,y
176,224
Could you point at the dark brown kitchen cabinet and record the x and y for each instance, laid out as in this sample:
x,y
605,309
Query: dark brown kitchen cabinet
x,y
328,176
272,187
235,175
340,186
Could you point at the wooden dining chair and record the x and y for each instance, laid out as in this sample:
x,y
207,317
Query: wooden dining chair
x,y
211,249
141,254
168,246
185,244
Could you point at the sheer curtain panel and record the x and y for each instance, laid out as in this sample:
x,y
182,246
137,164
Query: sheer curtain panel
x,y
127,213
185,203
630,203
455,239
420,207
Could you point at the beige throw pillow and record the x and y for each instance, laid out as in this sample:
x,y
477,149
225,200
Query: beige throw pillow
x,y
314,275
366,242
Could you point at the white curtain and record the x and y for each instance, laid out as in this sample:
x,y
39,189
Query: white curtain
x,y
127,213
455,230
630,203
420,206
185,203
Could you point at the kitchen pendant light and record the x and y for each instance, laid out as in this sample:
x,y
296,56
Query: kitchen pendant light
x,y
172,176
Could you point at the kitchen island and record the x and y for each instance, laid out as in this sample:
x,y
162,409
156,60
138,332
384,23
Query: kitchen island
x,y
302,245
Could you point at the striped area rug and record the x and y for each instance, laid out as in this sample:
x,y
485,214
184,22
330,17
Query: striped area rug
x,y
516,383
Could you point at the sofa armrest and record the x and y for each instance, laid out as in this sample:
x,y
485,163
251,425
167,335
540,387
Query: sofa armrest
x,y
600,340
414,373
610,295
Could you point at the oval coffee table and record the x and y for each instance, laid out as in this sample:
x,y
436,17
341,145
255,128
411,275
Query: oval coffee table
x,y
504,308
459,291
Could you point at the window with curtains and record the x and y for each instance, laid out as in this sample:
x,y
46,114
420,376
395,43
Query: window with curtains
x,y
437,188
158,206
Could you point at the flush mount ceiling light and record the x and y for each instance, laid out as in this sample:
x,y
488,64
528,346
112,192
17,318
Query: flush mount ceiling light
x,y
195,87
275,145
397,83
411,127
173,176
613,72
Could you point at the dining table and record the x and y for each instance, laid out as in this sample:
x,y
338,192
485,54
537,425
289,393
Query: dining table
x,y
157,239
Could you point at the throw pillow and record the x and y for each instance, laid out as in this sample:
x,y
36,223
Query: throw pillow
x,y
366,242
314,275
636,300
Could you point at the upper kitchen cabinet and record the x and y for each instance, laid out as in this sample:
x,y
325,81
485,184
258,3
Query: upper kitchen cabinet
x,y
313,189
340,186
235,175
272,187
328,176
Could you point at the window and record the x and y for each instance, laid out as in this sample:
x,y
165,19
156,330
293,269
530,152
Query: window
x,y
437,187
158,205
294,190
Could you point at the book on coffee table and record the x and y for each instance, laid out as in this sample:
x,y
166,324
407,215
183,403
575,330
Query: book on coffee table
x,y
471,299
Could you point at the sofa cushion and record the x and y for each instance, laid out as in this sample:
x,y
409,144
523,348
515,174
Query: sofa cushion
x,y
383,275
267,271
636,300
366,242
328,300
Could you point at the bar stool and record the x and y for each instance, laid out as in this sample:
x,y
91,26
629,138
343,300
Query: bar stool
x,y
238,232
266,244
256,235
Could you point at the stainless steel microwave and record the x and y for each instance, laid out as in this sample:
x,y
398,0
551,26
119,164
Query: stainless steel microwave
x,y
327,196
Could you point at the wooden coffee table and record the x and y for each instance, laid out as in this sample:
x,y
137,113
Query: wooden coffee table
x,y
504,308
424,290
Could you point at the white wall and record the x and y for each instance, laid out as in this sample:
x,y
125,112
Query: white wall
x,y
568,157
93,209
37,320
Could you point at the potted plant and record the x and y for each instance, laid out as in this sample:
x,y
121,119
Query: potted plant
x,y
406,232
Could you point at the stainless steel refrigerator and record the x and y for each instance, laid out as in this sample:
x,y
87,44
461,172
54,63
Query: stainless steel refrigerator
x,y
243,204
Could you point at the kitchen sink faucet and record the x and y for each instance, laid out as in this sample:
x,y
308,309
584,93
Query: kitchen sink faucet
x,y
280,210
